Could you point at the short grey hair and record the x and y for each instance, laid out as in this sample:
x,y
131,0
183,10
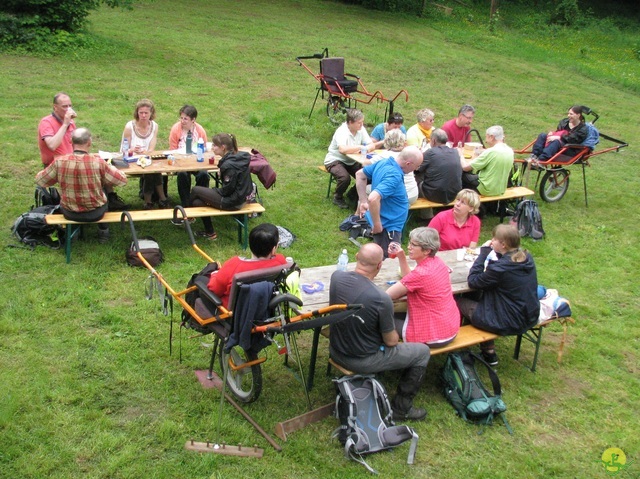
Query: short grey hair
x,y
439,136
353,115
424,115
466,109
427,238
80,136
496,131
394,140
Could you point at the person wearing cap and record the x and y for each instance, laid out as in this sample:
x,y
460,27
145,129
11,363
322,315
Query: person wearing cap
x,y
394,121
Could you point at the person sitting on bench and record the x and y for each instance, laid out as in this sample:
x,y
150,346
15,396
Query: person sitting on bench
x,y
506,275
459,227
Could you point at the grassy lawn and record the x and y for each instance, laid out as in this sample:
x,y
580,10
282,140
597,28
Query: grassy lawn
x,y
87,385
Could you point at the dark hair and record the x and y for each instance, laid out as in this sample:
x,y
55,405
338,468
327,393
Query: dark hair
x,y
227,140
262,239
580,110
190,111
396,118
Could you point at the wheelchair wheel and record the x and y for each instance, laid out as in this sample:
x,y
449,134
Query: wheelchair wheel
x,y
554,185
336,110
245,384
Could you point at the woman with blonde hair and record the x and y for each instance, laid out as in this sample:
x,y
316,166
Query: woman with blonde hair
x,y
506,275
459,227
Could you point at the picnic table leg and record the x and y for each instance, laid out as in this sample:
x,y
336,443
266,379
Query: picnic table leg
x,y
70,232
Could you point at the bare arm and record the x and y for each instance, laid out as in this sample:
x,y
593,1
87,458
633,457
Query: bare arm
x,y
390,339
374,201
397,290
54,141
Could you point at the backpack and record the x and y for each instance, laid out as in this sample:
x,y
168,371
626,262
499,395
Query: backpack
x,y
187,320
465,391
46,196
364,411
356,226
286,237
593,137
31,228
527,220
149,248
552,305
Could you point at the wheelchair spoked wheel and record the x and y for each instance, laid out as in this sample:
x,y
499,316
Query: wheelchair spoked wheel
x,y
245,384
554,185
336,110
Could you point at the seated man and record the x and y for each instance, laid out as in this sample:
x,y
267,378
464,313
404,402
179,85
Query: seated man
x,y
491,169
420,133
458,128
439,176
263,242
178,139
82,177
395,121
368,342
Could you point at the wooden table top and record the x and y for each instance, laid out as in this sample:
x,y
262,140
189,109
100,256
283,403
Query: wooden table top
x,y
182,163
388,273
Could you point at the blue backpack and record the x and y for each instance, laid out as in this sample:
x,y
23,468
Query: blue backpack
x,y
593,137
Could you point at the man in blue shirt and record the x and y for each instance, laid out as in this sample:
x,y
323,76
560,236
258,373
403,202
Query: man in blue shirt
x,y
387,206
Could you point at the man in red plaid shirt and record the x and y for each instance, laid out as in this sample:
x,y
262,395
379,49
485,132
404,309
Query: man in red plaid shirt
x,y
82,177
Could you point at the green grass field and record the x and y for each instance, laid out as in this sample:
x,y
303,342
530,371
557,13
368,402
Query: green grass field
x,y
87,385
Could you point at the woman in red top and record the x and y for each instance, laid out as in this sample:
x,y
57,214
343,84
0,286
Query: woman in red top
x,y
263,242
459,227
432,314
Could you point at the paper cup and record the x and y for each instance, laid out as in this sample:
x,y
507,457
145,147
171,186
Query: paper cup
x,y
460,254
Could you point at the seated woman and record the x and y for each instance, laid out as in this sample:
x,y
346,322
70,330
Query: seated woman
x,y
432,316
506,275
263,242
570,131
394,121
459,227
236,182
142,134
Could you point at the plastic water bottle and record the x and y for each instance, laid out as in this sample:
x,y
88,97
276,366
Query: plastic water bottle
x,y
343,260
189,142
125,149
200,150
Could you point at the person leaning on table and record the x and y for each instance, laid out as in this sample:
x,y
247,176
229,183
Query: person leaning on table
x,y
432,315
82,177
236,182
458,128
506,276
349,138
178,140
439,177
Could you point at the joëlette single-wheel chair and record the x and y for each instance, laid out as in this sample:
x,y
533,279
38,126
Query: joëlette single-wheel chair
x,y
260,307
343,90
554,172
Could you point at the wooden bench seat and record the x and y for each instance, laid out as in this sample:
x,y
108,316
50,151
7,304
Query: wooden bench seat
x,y
241,217
512,193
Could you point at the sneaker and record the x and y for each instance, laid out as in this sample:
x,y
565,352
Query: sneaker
x,y
490,357
164,204
209,236
116,203
341,203
180,221
414,414
148,206
103,236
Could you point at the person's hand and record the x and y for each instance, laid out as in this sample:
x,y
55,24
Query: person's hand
x,y
487,243
138,149
363,208
69,115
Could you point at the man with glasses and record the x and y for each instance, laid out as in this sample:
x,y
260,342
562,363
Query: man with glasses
x,y
387,206
394,122
458,128
54,131
420,134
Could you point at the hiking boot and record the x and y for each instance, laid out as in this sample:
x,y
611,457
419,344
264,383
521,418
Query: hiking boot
x,y
490,357
103,236
116,203
341,203
180,221
164,204
209,236
414,414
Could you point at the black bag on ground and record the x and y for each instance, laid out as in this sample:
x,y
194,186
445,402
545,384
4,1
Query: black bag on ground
x,y
31,228
528,220
465,391
364,411
356,226
187,320
46,196
149,248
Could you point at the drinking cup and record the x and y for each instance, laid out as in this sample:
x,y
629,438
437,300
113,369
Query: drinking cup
x,y
460,254
393,249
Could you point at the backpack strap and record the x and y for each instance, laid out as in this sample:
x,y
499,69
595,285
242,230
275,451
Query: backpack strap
x,y
495,382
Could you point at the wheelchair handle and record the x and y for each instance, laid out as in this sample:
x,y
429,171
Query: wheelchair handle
x,y
134,235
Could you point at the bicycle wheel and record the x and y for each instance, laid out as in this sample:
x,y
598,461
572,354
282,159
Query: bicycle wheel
x,y
336,110
554,185
246,383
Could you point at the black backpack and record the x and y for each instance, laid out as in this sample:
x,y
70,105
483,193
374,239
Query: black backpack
x,y
31,228
46,196
464,390
187,320
528,220
356,226
364,411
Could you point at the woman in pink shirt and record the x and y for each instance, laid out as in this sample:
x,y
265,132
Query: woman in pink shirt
x,y
459,227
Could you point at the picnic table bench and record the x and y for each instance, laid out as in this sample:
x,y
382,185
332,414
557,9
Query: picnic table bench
x,y
241,217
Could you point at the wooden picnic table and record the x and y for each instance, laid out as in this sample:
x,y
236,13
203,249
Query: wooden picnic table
x,y
182,162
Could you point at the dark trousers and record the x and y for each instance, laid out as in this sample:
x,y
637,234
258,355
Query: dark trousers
x,y
343,174
467,307
184,184
201,196
87,216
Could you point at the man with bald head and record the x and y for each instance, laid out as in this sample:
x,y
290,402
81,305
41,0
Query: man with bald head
x,y
387,206
368,342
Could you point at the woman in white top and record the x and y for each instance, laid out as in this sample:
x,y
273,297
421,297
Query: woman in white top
x,y
142,134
